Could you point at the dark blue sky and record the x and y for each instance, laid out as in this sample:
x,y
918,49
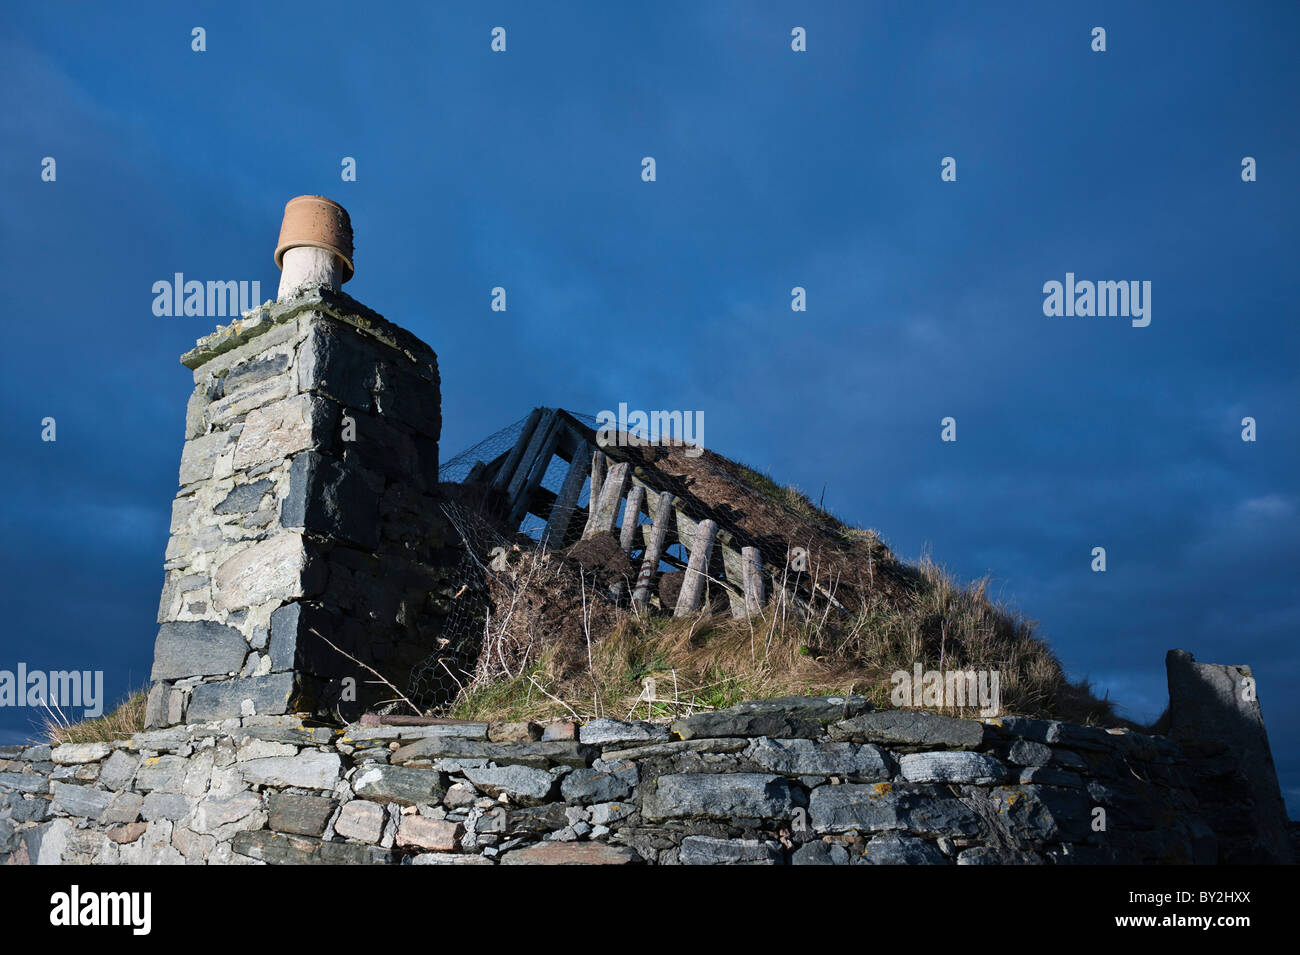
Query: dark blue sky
x,y
775,169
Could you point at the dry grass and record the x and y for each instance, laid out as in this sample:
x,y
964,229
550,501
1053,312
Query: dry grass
x,y
124,720
555,645
714,661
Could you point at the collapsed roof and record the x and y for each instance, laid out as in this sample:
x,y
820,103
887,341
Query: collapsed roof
x,y
673,506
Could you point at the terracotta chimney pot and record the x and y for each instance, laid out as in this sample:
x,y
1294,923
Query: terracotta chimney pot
x,y
315,243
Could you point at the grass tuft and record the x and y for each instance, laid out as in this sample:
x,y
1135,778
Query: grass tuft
x,y
124,720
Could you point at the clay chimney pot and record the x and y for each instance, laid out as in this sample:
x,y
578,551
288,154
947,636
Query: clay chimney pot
x,y
316,222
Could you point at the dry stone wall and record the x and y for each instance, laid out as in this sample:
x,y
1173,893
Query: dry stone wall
x,y
804,781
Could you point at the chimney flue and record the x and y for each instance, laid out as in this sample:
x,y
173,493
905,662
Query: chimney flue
x,y
315,246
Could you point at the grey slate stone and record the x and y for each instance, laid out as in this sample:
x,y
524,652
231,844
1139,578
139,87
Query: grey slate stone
x,y
310,769
77,754
199,456
823,709
186,648
590,785
215,812
449,858
331,362
899,848
910,728
814,853
677,747
522,784
119,769
167,740
331,500
1042,813
1068,759
28,810
1046,776
720,796
293,732
270,694
79,800
163,773
245,498
156,705
278,848
1027,753
356,733
251,372
804,757
606,813
706,850
540,754
124,808
303,815
780,717
159,805
959,767
605,732
399,784
746,723
1057,733
284,637
882,807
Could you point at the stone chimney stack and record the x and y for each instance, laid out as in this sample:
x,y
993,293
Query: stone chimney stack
x,y
308,501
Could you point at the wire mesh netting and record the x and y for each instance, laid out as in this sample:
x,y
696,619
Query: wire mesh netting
x,y
462,468
435,682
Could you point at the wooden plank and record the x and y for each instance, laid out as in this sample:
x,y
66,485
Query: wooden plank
x,y
631,518
562,513
507,470
611,493
654,548
571,440
733,569
638,477
397,719
688,601
752,575
532,468
541,434
686,528
598,464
